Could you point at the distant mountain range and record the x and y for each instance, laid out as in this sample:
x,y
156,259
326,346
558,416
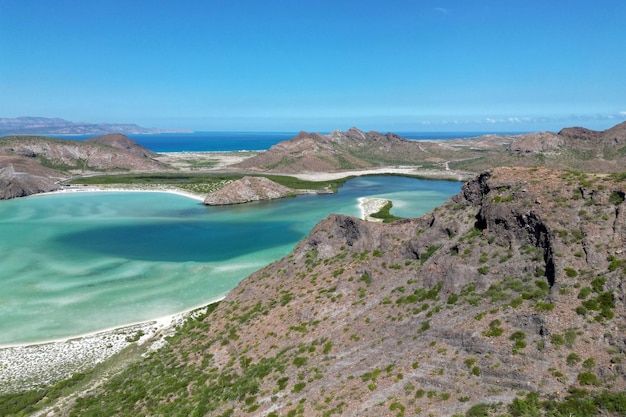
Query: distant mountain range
x,y
56,126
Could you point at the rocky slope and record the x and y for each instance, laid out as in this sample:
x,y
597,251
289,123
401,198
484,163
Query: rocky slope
x,y
571,148
354,149
20,177
248,189
29,165
515,285
120,141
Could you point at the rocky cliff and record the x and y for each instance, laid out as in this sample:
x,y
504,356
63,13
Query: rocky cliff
x,y
248,189
514,286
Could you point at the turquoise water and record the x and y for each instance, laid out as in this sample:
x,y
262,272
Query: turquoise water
x,y
71,264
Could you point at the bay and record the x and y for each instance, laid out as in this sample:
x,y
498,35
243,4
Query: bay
x,y
75,263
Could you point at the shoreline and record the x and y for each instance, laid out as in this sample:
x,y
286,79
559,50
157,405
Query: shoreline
x,y
31,365
371,205
101,189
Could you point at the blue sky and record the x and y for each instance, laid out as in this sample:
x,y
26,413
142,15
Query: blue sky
x,y
275,65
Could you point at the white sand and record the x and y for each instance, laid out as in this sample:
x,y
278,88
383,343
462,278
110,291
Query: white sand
x,y
369,206
326,176
34,365
134,189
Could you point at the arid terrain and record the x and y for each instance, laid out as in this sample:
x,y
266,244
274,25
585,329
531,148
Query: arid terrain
x,y
509,299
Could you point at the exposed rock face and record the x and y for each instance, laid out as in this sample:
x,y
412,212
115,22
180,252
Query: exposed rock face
x,y
510,286
120,141
248,189
14,183
536,142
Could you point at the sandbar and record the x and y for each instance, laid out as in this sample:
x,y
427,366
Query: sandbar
x,y
371,205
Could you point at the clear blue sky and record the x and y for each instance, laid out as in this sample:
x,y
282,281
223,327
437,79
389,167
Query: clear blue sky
x,y
288,65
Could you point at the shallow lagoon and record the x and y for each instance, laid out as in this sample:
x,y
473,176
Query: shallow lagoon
x,y
75,263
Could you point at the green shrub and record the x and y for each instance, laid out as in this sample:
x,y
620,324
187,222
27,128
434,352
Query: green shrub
x,y
298,387
572,359
588,378
494,329
299,361
483,270
616,197
527,407
385,214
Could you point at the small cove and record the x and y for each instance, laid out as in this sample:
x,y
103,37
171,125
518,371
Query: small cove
x,y
72,264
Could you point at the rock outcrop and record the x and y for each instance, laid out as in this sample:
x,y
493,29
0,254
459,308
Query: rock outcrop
x,y
248,189
536,142
20,183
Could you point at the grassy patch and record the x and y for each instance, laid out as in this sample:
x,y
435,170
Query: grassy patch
x,y
385,214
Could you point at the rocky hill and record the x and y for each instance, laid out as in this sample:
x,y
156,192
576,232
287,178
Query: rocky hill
x,y
509,297
120,141
31,164
571,148
248,189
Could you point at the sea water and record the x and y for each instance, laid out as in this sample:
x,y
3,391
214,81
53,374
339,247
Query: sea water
x,y
74,263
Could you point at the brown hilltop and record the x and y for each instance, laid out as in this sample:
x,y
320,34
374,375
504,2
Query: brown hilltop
x,y
571,148
32,164
613,136
120,141
514,285
248,189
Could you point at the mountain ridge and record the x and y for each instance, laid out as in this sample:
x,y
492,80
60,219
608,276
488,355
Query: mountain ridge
x,y
28,125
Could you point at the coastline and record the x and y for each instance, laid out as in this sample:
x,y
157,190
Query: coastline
x,y
369,206
31,365
100,189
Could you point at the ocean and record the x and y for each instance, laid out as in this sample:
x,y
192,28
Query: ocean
x,y
245,141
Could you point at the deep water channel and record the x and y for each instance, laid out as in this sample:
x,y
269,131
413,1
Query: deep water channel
x,y
75,263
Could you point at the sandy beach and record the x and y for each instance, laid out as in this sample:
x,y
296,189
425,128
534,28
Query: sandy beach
x,y
133,189
369,206
33,365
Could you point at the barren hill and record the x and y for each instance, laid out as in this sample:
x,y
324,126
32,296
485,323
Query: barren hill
x,y
514,286
120,141
571,148
31,164
248,189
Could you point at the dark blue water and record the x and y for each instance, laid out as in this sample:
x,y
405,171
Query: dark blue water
x,y
244,141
